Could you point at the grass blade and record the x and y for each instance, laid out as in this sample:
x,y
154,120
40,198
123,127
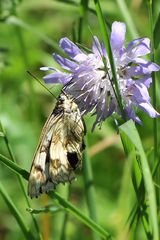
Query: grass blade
x,y
156,32
89,188
68,206
20,179
78,214
128,129
14,167
15,213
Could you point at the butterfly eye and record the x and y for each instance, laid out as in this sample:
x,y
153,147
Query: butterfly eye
x,y
62,98
72,159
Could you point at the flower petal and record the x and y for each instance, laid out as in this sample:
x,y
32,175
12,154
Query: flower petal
x,y
140,93
104,50
147,107
80,58
57,77
152,67
69,47
147,80
89,77
131,114
117,36
142,99
65,63
136,71
47,68
96,47
138,47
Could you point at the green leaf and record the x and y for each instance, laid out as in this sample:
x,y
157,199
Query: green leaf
x,y
15,213
156,32
129,130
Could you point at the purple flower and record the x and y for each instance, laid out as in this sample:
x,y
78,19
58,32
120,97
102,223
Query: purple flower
x,y
88,76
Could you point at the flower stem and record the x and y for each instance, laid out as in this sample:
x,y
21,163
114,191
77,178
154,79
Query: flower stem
x,y
155,130
155,123
65,218
87,171
105,36
154,87
89,188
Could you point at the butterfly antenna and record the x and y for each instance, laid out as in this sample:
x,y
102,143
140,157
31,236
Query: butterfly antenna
x,y
41,83
63,91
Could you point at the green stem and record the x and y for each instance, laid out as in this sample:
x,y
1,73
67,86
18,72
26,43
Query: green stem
x,y
89,187
67,205
88,178
14,167
15,213
104,32
19,179
74,211
154,86
83,18
32,102
46,209
65,219
64,226
128,18
80,28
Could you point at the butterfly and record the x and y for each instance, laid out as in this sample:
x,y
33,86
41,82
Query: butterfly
x,y
59,152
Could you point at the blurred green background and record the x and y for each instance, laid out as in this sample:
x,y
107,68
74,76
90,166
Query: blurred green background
x,y
29,34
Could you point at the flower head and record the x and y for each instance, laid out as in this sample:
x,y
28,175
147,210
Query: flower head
x,y
89,78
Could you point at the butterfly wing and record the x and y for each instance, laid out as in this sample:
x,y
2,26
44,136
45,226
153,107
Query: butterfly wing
x,y
59,152
39,169
69,137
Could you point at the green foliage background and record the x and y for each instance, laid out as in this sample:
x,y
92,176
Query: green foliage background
x,y
29,34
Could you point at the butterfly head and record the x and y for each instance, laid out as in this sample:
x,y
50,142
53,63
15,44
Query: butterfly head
x,y
67,103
